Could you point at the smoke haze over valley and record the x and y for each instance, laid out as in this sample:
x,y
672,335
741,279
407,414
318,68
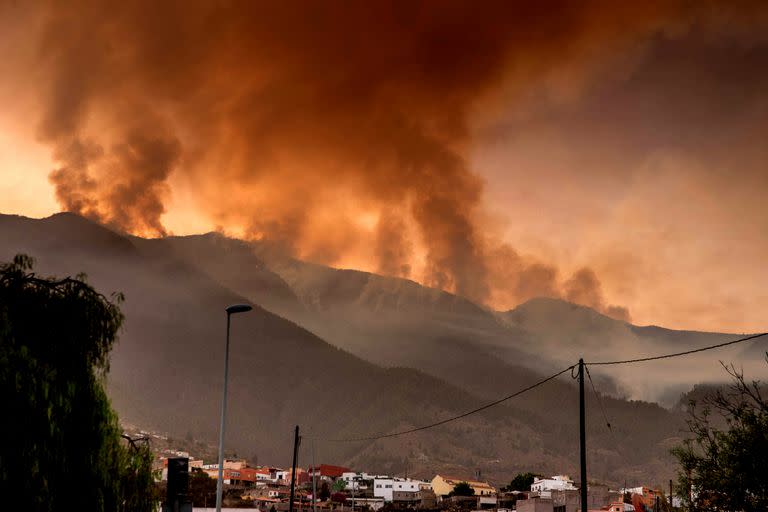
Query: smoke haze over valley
x,y
411,355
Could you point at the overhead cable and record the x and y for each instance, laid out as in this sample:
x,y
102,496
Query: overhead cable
x,y
454,418
678,354
539,383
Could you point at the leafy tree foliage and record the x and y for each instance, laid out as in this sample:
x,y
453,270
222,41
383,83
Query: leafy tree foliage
x,y
521,482
202,488
60,443
725,464
339,485
462,489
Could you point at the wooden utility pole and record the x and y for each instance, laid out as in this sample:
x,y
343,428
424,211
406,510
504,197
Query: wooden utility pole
x,y
670,494
314,479
582,438
296,441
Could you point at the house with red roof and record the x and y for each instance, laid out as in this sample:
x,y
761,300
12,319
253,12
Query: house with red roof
x,y
327,472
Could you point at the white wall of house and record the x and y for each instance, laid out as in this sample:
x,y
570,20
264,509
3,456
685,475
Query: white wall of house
x,y
353,480
545,486
382,488
407,485
385,487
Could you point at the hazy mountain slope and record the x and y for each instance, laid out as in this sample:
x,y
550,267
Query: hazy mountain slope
x,y
568,331
585,327
166,375
167,366
232,263
395,321
388,321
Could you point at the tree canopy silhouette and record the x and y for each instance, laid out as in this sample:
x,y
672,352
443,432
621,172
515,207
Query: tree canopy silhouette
x,y
61,445
202,488
724,466
462,489
521,482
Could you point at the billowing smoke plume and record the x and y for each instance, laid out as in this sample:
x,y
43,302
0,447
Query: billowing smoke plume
x,y
522,279
584,288
322,126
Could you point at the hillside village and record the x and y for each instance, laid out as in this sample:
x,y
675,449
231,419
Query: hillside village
x,y
328,487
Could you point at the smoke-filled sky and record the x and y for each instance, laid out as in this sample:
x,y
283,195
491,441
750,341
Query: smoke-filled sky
x,y
610,153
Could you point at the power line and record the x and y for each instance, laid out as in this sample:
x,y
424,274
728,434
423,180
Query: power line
x,y
454,418
543,381
608,424
599,400
677,354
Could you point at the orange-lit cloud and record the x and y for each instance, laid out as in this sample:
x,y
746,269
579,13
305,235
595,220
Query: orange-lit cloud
x,y
294,121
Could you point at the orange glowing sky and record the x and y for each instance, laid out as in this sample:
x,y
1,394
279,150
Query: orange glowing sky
x,y
633,145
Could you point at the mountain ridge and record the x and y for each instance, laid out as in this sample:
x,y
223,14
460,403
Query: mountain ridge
x,y
378,365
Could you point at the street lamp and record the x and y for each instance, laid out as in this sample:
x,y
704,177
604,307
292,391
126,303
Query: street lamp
x,y
234,308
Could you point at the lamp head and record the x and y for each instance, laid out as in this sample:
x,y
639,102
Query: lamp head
x,y
238,308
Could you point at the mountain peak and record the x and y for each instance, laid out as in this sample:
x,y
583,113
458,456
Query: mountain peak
x,y
40,236
546,314
551,305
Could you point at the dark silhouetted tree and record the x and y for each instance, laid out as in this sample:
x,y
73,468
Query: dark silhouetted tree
x,y
521,482
462,489
724,466
325,492
63,449
202,489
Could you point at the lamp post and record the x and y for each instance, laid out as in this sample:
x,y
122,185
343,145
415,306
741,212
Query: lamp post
x,y
234,308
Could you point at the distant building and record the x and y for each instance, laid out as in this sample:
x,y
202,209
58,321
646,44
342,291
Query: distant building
x,y
598,498
235,463
647,496
327,472
545,486
244,476
443,485
302,477
428,497
535,504
357,481
263,474
228,464
620,506
372,503
405,490
382,488
271,492
397,489
413,497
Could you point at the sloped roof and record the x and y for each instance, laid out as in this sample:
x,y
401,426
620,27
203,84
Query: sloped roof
x,y
472,483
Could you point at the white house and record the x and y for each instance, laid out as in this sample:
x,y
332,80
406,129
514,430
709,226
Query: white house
x,y
356,481
385,487
382,487
407,485
545,486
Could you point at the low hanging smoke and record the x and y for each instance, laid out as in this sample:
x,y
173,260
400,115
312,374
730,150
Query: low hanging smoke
x,y
294,120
